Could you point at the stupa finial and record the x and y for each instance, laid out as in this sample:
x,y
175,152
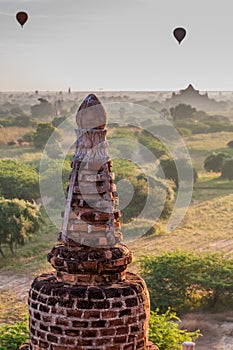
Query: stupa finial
x,y
91,114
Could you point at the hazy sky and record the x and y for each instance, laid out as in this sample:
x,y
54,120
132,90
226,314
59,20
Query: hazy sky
x,y
116,45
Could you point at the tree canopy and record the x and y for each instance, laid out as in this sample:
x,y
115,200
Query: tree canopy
x,y
169,167
18,180
227,170
43,109
183,112
18,220
215,161
185,281
230,144
43,133
146,189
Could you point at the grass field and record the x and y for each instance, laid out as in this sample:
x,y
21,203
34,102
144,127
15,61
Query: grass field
x,y
207,226
201,145
12,133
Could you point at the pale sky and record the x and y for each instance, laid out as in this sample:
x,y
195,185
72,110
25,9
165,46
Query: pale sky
x,y
116,45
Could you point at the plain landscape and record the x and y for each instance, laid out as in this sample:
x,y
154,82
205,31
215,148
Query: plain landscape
x,y
204,121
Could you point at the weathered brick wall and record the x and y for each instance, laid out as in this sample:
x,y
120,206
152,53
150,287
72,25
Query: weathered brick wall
x,y
104,317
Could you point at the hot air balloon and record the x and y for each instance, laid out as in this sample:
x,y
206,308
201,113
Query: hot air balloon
x,y
22,17
179,34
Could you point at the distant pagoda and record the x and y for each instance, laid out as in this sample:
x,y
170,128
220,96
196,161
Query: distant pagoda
x,y
194,98
92,301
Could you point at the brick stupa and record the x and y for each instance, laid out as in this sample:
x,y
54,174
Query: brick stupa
x,y
92,301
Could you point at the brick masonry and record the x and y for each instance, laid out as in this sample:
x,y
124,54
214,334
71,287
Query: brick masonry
x,y
113,316
91,301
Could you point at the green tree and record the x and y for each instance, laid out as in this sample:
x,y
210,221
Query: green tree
x,y
230,144
19,219
18,180
165,333
183,112
227,170
153,144
43,133
24,121
215,161
57,121
170,166
43,109
145,190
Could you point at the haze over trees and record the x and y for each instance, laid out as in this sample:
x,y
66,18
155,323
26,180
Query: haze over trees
x,y
183,111
208,221
186,117
43,109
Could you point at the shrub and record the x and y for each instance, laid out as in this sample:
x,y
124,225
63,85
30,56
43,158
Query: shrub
x,y
28,137
13,336
227,170
165,333
167,278
23,121
12,143
184,132
185,281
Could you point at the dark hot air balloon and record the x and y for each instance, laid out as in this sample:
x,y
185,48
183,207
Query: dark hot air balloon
x,y
22,17
179,34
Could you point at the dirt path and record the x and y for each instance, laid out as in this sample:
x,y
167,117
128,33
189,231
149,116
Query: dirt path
x,y
217,330
15,284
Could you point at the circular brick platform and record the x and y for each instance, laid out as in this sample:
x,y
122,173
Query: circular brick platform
x,y
151,346
82,264
104,317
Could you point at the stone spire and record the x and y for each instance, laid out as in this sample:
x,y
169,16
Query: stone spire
x,y
92,301
91,217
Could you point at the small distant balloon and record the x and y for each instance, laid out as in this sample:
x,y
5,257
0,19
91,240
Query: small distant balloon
x,y
179,34
22,17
